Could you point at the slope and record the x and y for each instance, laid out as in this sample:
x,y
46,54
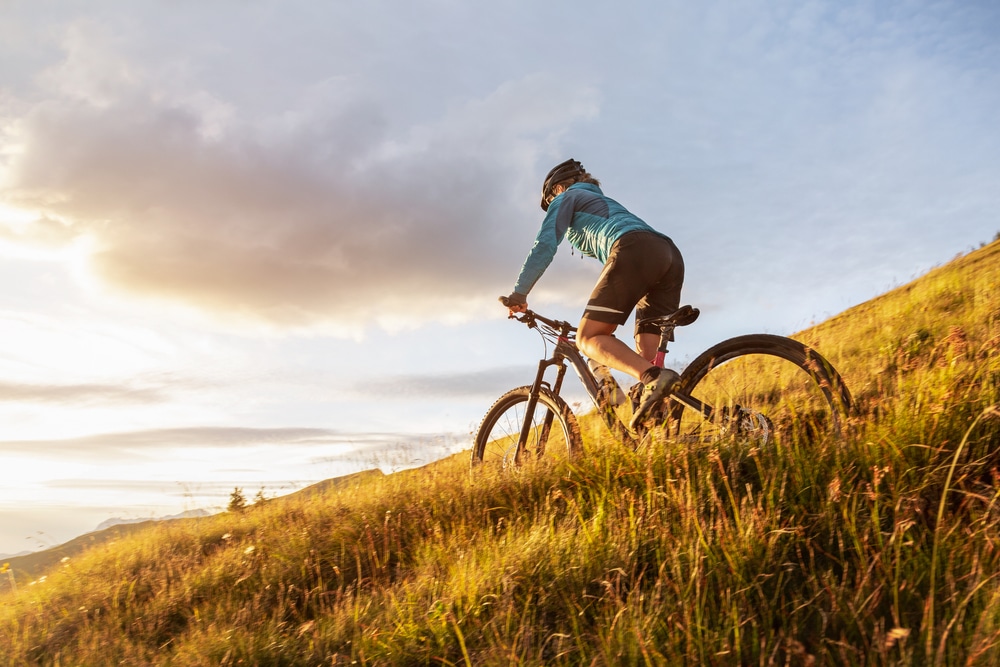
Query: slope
x,y
879,548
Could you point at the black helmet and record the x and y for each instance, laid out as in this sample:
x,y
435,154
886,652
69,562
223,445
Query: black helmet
x,y
558,174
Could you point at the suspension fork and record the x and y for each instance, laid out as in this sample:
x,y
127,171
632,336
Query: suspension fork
x,y
536,390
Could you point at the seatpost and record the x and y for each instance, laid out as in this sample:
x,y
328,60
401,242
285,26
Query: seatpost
x,y
661,350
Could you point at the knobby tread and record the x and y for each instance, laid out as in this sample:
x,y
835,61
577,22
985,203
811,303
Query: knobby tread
x,y
516,396
806,358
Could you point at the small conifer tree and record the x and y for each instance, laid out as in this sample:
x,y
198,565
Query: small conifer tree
x,y
237,501
10,576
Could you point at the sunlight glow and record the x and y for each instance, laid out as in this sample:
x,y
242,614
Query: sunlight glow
x,y
16,216
36,235
45,347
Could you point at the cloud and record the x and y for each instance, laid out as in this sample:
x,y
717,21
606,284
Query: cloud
x,y
79,393
138,443
325,211
488,383
179,488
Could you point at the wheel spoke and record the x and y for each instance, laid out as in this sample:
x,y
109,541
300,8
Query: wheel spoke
x,y
761,388
496,441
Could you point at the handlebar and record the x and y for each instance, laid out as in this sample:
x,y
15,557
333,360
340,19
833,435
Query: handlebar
x,y
531,319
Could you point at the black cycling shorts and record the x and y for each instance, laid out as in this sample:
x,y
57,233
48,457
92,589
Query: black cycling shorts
x,y
644,272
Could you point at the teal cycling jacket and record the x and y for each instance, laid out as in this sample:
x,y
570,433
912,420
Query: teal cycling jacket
x,y
589,220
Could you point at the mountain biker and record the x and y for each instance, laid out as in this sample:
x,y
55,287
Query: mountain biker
x,y
643,270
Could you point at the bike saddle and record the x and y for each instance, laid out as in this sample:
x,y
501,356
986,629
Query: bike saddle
x,y
681,317
684,315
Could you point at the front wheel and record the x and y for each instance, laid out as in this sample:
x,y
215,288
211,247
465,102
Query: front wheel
x,y
761,386
553,430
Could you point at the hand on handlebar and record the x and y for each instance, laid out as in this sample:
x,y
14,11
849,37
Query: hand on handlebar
x,y
516,303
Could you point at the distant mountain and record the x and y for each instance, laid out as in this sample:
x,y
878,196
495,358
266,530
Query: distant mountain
x,y
32,563
117,521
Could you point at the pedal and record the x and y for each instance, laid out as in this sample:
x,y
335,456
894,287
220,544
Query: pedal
x,y
749,423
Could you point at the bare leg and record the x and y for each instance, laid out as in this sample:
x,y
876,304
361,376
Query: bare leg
x,y
646,344
597,341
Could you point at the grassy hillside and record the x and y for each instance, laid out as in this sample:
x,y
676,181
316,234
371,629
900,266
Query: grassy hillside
x,y
34,565
880,548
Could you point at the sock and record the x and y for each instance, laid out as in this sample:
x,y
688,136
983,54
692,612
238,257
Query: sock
x,y
650,374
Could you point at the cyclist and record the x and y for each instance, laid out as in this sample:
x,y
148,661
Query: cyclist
x,y
643,270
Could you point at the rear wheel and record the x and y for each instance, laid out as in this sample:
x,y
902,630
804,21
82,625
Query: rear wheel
x,y
762,387
554,432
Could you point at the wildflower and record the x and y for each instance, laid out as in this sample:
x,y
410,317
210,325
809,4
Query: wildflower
x,y
895,635
834,490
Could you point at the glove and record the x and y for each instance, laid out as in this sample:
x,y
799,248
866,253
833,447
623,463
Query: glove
x,y
516,302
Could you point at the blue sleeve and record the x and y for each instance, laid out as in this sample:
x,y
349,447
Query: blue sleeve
x,y
549,237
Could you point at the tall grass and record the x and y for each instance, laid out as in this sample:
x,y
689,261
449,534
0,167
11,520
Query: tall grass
x,y
877,548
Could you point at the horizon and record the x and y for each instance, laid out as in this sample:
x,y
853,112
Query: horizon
x,y
262,246
290,488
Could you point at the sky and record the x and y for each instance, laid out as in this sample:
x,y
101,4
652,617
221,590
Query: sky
x,y
259,244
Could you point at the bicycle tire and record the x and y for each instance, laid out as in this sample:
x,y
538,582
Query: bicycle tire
x,y
755,375
496,439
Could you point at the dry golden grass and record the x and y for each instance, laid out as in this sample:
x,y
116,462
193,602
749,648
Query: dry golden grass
x,y
881,547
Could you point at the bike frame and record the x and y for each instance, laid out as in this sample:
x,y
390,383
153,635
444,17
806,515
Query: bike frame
x,y
566,350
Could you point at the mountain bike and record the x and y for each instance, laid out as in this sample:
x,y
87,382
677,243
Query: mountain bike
x,y
761,387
